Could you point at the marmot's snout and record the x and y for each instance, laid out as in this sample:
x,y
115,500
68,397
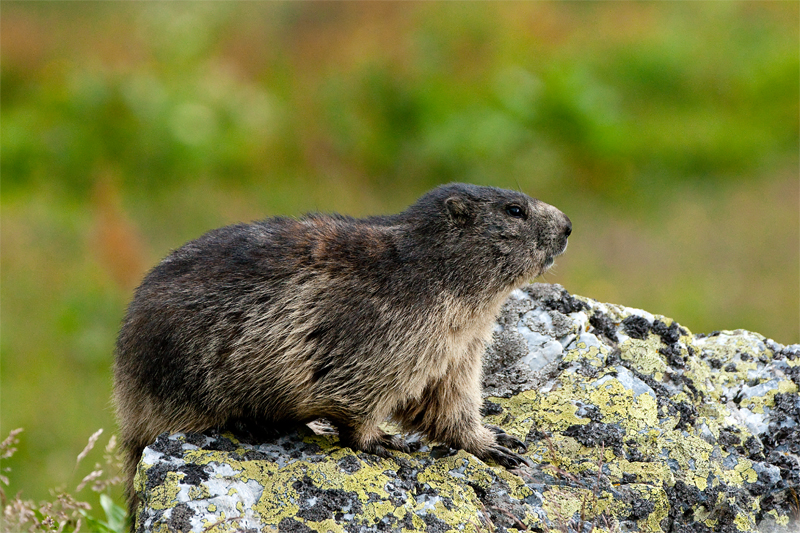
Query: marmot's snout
x,y
566,231
559,228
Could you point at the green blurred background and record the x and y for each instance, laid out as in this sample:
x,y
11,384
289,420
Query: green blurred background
x,y
667,131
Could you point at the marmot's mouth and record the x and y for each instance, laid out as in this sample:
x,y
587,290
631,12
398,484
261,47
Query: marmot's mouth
x,y
563,248
550,259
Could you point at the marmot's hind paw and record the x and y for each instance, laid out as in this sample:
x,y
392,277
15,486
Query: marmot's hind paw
x,y
395,442
322,426
381,445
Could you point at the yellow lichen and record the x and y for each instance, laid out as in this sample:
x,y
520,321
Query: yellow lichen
x,y
658,497
161,528
642,470
643,355
594,355
377,510
562,503
516,486
787,387
200,492
618,405
163,496
741,473
781,520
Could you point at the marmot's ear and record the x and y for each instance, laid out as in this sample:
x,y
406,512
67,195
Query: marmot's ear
x,y
459,209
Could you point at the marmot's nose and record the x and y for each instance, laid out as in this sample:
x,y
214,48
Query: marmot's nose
x,y
568,227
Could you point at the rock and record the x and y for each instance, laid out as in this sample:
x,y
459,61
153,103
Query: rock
x,y
632,423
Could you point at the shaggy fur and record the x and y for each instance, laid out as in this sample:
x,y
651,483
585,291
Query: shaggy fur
x,y
260,326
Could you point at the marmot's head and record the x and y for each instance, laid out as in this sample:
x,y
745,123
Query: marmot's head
x,y
503,237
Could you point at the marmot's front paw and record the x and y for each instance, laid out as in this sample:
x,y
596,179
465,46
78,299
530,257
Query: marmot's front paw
x,y
505,457
504,439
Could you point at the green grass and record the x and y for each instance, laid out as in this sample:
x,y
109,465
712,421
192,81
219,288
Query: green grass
x,y
668,132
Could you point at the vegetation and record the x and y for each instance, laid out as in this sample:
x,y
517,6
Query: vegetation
x,y
668,132
65,512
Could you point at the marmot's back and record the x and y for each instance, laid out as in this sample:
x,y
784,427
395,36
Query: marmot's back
x,y
256,326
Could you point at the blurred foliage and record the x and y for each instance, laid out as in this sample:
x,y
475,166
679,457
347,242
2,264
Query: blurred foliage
x,y
668,132
65,511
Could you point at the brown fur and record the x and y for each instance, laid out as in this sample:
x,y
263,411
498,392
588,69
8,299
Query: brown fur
x,y
284,321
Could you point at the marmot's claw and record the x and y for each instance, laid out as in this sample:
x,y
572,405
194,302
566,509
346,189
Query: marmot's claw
x,y
395,442
504,439
438,452
380,451
379,446
505,457
382,446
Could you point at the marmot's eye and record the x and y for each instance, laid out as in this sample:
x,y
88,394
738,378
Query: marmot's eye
x,y
515,211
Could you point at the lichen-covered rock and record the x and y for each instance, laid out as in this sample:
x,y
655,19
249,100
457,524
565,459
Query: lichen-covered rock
x,y
632,423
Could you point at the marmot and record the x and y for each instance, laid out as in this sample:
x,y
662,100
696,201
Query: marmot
x,y
284,321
